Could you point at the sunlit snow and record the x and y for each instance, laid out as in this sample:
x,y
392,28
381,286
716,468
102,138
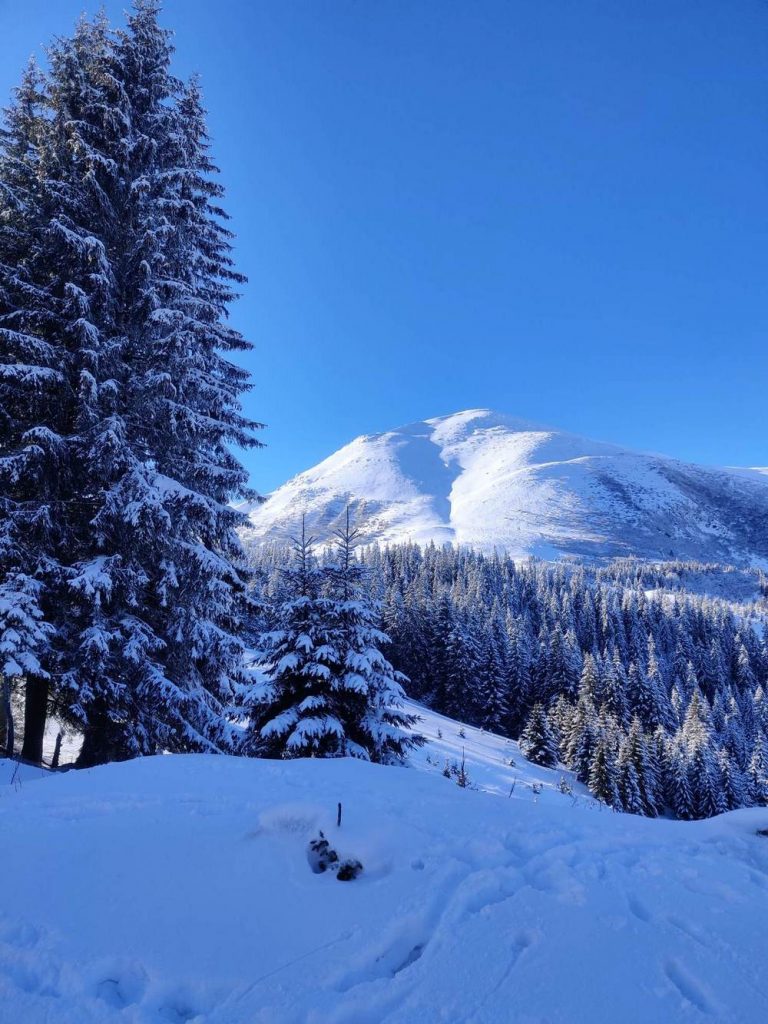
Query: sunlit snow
x,y
178,889
493,481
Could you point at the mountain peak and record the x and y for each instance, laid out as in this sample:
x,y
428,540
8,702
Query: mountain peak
x,y
467,420
487,419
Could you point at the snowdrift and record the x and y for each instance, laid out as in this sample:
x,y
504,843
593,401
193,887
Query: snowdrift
x,y
178,889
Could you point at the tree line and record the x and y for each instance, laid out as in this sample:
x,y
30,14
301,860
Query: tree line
x,y
656,702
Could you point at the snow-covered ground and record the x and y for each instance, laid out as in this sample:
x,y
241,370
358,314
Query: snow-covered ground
x,y
178,889
493,481
493,764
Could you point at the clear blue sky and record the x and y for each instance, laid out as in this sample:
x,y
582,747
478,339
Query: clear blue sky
x,y
553,208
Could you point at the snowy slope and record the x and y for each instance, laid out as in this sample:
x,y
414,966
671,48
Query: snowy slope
x,y
173,889
493,763
489,480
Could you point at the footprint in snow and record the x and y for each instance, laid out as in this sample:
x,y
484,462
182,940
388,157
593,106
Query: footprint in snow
x,y
123,986
689,988
639,910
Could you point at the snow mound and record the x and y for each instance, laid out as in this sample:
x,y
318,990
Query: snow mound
x,y
178,889
492,481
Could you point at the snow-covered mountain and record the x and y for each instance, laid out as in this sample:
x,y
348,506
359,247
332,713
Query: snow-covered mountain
x,y
490,480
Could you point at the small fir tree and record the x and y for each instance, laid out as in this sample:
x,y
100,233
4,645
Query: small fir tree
x,y
602,774
292,709
538,742
367,687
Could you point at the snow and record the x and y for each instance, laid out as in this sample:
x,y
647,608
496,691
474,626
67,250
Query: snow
x,y
492,481
488,758
177,889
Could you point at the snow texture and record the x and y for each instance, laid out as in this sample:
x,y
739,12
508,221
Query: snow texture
x,y
177,889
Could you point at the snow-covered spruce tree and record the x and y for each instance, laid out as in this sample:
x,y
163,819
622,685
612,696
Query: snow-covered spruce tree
x,y
33,404
519,674
757,773
460,655
437,625
733,781
292,709
679,796
23,635
537,741
151,592
602,774
491,677
368,690
629,785
328,691
166,520
705,783
635,751
581,738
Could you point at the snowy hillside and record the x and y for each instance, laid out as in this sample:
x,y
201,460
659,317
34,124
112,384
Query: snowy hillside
x,y
490,480
177,889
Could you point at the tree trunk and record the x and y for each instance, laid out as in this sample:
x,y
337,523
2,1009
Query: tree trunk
x,y
57,751
100,745
7,731
93,750
3,719
35,714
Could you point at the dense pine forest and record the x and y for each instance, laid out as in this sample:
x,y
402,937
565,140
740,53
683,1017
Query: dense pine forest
x,y
653,696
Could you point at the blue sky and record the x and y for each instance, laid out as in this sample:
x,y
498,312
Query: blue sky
x,y
550,208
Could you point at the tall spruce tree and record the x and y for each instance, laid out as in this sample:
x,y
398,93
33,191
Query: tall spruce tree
x,y
602,773
33,404
126,292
